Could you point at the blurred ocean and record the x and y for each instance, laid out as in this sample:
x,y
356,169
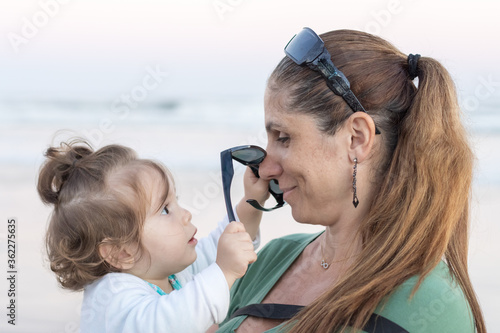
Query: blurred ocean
x,y
27,124
185,133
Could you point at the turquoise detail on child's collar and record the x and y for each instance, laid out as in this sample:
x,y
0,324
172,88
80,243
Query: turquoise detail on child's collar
x,y
173,281
157,289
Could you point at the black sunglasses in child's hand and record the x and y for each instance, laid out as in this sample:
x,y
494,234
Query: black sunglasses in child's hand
x,y
250,156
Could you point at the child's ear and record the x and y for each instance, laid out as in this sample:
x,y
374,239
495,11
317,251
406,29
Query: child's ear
x,y
123,258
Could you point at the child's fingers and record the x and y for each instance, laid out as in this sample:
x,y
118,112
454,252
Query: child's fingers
x,y
250,174
252,257
235,227
255,188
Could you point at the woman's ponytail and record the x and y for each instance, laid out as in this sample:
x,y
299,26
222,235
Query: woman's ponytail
x,y
445,160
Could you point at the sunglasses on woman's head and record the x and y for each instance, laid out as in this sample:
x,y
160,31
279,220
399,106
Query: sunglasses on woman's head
x,y
250,156
307,48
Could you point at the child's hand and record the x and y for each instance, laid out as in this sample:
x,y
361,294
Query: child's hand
x,y
255,188
235,252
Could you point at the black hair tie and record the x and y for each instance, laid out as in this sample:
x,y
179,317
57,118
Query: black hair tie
x,y
413,65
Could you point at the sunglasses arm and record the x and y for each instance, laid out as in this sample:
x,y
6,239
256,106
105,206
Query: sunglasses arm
x,y
255,204
227,177
339,84
335,79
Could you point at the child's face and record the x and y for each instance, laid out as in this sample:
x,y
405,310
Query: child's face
x,y
168,235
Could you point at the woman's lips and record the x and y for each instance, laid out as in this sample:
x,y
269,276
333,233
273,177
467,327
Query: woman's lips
x,y
287,191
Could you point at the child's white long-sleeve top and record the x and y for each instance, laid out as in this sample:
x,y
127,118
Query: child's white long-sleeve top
x,y
121,302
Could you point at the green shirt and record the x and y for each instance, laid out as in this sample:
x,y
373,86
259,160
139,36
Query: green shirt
x,y
439,304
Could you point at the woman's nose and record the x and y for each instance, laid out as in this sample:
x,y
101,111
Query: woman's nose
x,y
270,168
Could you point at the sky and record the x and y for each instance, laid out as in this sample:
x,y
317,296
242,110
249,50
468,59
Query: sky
x,y
85,50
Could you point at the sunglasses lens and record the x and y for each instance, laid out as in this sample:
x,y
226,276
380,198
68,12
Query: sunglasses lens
x,y
249,155
304,47
273,185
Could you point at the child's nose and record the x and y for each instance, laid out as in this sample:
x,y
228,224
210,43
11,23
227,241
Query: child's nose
x,y
187,216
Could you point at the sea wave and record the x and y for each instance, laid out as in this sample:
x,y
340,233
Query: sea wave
x,y
235,112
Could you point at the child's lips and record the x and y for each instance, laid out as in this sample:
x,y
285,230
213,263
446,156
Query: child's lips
x,y
193,241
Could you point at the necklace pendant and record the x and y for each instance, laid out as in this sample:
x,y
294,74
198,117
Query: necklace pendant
x,y
324,264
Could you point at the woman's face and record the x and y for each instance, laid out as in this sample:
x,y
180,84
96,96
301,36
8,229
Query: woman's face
x,y
313,168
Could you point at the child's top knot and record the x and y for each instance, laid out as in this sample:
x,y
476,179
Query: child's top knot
x,y
58,168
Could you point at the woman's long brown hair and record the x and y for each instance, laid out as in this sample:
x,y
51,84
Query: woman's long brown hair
x,y
420,214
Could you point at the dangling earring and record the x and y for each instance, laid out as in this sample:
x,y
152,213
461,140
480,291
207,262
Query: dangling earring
x,y
355,200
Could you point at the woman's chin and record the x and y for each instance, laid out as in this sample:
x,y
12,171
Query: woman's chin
x,y
305,217
299,216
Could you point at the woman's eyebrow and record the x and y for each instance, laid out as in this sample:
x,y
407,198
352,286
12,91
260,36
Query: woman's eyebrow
x,y
271,125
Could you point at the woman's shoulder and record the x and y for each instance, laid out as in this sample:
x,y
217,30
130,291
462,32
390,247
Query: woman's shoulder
x,y
280,249
438,305
272,261
279,253
289,241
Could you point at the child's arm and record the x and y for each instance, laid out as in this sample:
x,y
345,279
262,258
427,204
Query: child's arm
x,y
125,303
122,302
255,188
258,189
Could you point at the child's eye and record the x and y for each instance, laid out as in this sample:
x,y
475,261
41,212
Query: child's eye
x,y
165,211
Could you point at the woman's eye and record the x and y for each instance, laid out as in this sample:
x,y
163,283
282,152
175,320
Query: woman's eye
x,y
283,139
165,211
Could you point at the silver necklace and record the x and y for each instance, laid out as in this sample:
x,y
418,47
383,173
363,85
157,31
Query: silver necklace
x,y
325,264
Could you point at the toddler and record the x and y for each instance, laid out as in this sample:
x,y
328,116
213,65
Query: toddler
x,y
118,232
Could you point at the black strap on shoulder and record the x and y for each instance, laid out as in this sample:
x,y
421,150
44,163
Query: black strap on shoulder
x,y
380,324
268,310
375,324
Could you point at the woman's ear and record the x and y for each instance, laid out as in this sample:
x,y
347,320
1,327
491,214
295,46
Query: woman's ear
x,y
362,130
122,258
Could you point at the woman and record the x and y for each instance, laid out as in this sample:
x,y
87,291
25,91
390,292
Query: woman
x,y
391,186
